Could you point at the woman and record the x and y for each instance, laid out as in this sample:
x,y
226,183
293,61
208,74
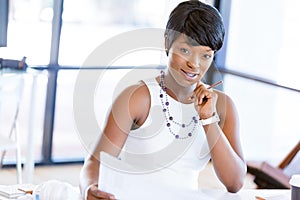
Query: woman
x,y
184,115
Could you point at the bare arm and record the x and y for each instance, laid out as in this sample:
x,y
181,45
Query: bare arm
x,y
223,137
125,112
224,142
89,174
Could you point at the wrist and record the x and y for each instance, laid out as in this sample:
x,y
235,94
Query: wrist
x,y
88,190
204,117
213,119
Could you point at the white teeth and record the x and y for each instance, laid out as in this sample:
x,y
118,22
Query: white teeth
x,y
190,75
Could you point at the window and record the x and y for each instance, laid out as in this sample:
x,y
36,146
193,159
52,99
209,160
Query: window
x,y
29,34
262,42
87,25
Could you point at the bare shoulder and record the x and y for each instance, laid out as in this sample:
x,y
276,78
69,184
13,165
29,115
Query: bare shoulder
x,y
138,93
129,111
136,100
224,99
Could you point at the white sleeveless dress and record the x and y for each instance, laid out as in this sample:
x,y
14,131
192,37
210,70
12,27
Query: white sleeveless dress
x,y
166,151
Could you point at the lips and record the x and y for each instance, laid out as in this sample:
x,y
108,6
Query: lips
x,y
189,74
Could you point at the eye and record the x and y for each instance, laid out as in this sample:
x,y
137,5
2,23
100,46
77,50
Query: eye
x,y
207,56
185,51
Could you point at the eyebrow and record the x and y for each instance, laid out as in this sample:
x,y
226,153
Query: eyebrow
x,y
184,41
209,50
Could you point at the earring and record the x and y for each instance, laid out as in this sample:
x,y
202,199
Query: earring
x,y
167,51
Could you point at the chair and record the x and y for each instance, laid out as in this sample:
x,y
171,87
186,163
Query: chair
x,y
267,176
11,87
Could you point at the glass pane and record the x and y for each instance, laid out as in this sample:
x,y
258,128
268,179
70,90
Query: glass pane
x,y
29,31
87,24
65,136
268,118
265,43
29,34
32,107
107,84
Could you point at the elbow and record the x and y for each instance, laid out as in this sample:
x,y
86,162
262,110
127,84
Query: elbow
x,y
235,185
234,188
237,182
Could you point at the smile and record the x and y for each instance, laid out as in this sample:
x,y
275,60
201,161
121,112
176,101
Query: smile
x,y
191,75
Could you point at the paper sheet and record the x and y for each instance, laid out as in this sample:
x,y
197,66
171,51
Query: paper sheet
x,y
285,196
12,191
128,186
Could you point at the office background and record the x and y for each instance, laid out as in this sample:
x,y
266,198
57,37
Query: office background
x,y
258,63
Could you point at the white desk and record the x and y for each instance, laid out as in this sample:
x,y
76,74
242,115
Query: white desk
x,y
206,194
248,194
60,190
54,189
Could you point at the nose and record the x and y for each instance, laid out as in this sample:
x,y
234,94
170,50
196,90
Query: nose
x,y
193,64
193,61
190,65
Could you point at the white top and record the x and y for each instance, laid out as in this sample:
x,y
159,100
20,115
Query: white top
x,y
154,150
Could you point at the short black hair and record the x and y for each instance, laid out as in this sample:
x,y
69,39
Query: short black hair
x,y
200,22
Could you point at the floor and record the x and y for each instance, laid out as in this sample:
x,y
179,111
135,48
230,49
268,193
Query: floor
x,y
70,174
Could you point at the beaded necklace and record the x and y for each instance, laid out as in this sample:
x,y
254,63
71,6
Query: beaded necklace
x,y
170,121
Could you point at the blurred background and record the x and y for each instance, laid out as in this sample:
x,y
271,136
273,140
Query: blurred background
x,y
258,64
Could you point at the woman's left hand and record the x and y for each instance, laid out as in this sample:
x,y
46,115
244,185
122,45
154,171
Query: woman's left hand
x,y
205,101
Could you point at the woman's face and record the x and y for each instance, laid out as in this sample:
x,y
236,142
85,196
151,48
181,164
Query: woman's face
x,y
188,63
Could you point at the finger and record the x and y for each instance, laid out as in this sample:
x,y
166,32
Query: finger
x,y
206,97
103,195
95,192
202,94
193,95
198,91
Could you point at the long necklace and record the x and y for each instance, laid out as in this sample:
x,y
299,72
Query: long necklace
x,y
170,121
